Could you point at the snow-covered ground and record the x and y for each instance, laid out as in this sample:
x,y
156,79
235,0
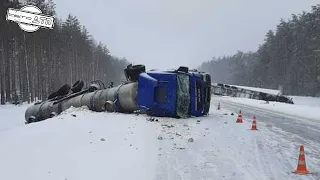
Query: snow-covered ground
x,y
225,150
306,101
303,112
80,145
12,116
88,146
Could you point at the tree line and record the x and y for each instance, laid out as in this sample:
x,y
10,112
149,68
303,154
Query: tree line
x,y
32,65
289,59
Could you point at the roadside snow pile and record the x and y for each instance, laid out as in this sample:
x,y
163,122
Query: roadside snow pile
x,y
306,100
12,116
301,111
80,144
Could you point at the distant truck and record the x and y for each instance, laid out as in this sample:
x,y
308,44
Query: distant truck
x,y
249,92
179,93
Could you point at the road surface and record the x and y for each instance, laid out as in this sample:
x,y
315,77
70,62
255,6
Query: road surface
x,y
304,129
297,131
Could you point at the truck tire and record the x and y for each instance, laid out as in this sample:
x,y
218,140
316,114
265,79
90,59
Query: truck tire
x,y
64,90
132,72
77,86
53,95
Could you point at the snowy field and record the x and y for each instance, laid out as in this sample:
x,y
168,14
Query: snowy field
x,y
81,145
303,112
306,101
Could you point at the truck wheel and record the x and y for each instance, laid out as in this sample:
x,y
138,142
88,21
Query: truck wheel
x,y
64,90
53,95
77,86
132,72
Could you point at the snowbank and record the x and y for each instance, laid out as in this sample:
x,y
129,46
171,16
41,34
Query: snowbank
x,y
88,146
299,111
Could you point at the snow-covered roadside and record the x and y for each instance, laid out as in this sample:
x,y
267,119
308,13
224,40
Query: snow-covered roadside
x,y
12,116
89,146
306,101
223,149
299,111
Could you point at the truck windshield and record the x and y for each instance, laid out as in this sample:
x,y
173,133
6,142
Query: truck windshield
x,y
183,95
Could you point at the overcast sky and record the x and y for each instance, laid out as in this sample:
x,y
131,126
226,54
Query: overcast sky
x,y
169,33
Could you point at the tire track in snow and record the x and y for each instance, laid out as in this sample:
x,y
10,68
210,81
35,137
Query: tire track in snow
x,y
243,158
283,137
208,158
264,166
169,166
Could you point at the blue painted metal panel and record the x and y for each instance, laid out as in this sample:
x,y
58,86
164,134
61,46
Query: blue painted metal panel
x,y
146,88
167,81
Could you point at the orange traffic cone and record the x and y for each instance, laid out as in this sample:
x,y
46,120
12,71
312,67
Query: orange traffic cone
x,y
218,106
239,119
254,124
302,167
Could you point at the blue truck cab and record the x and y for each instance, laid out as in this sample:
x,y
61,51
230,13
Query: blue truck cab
x,y
180,93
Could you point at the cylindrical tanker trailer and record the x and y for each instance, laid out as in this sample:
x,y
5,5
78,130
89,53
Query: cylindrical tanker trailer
x,y
96,101
179,93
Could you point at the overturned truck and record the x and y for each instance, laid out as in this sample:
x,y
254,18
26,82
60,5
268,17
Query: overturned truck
x,y
250,93
179,93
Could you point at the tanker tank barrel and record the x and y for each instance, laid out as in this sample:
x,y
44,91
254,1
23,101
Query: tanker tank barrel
x,y
122,98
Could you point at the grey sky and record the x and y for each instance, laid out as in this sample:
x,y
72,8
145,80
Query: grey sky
x,y
169,33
